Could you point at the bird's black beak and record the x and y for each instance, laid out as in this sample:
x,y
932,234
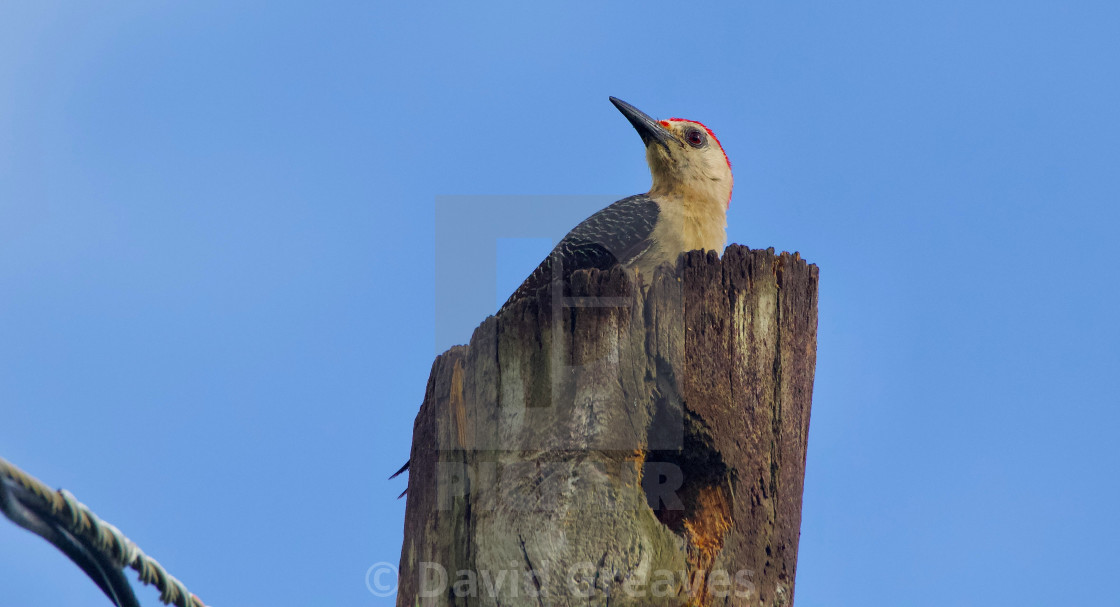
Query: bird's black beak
x,y
649,129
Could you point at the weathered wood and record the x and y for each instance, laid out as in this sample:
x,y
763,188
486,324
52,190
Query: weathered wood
x,y
650,451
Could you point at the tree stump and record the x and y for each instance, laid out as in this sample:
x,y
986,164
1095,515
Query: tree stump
x,y
617,443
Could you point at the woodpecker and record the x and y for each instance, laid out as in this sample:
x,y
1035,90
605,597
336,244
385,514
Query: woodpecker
x,y
685,209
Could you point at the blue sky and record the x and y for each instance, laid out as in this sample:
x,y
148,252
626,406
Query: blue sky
x,y
218,230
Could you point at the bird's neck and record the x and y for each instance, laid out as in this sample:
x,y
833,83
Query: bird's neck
x,y
697,220
696,197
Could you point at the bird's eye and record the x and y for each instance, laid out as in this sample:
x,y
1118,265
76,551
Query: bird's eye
x,y
694,138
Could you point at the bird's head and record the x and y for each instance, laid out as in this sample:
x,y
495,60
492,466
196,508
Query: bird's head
x,y
684,157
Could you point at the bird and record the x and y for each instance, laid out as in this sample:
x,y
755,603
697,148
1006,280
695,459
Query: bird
x,y
685,209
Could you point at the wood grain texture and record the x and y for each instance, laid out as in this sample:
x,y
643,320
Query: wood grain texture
x,y
620,442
